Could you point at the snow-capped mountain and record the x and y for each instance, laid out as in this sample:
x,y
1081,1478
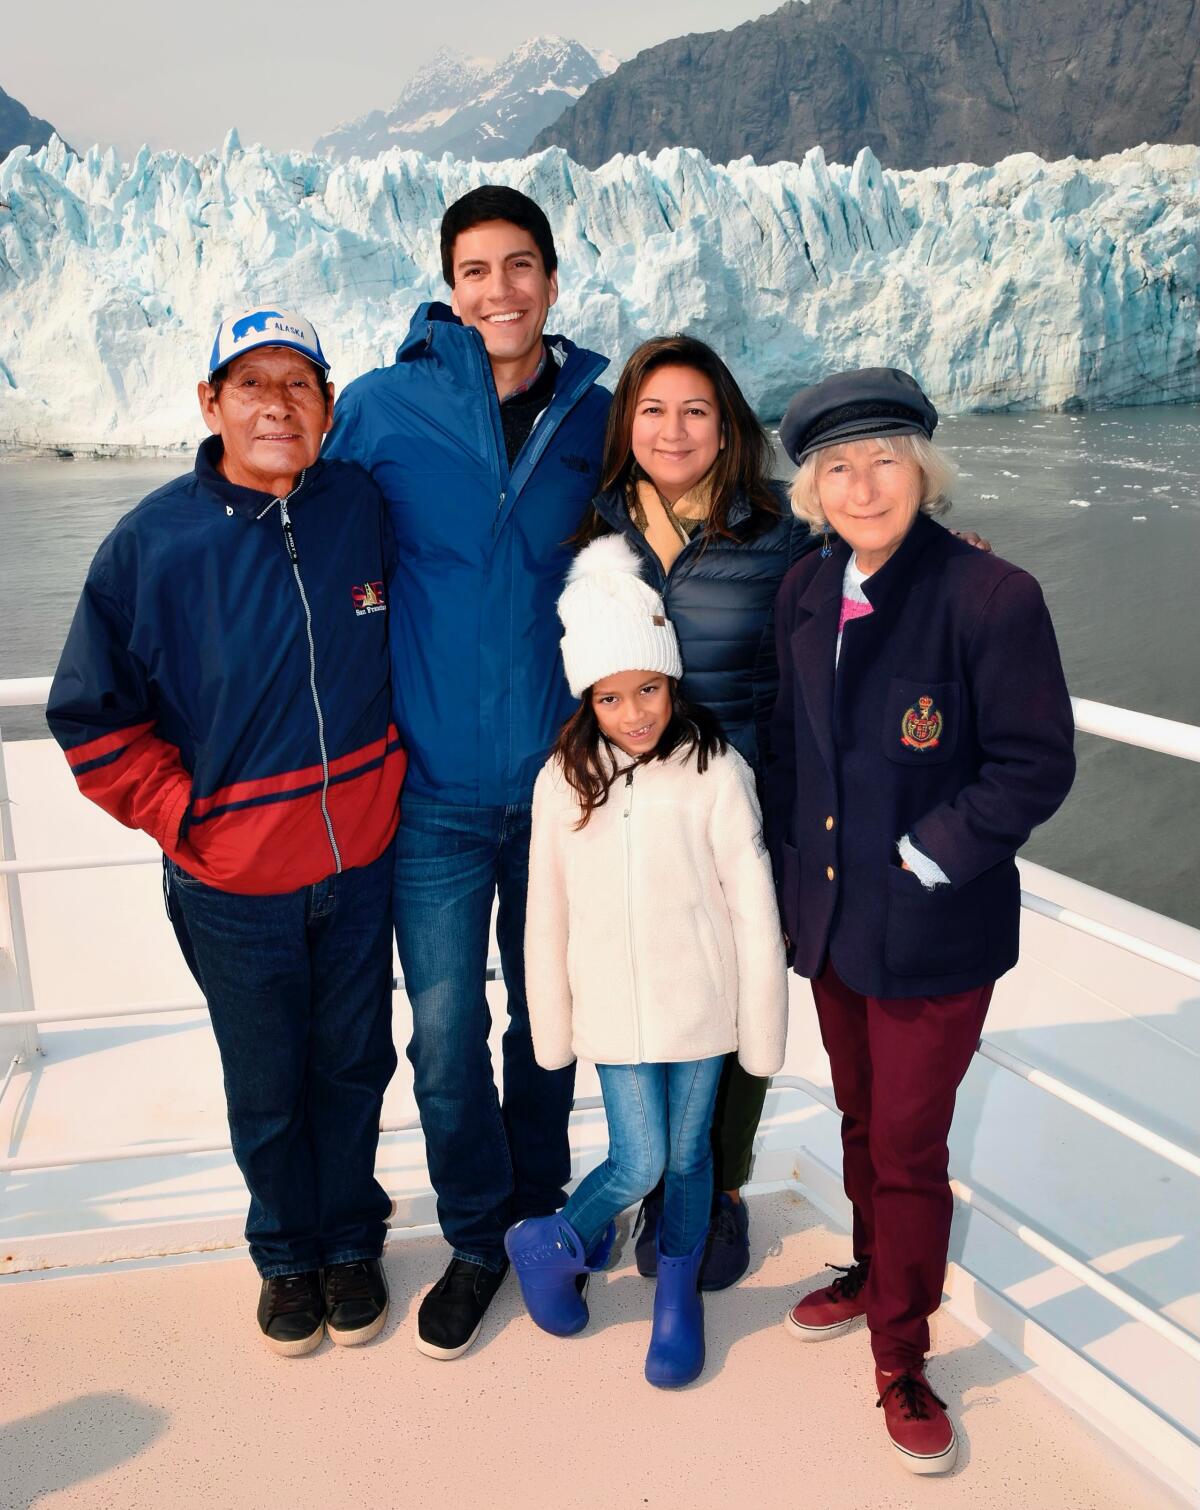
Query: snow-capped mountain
x,y
1024,285
476,107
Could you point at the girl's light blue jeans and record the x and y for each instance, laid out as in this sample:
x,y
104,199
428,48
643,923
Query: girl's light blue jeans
x,y
659,1123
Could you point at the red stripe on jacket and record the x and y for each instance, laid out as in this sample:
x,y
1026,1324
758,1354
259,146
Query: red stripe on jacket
x,y
105,745
282,846
292,781
145,787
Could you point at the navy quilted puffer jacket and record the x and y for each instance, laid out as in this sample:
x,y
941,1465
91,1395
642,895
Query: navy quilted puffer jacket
x,y
720,596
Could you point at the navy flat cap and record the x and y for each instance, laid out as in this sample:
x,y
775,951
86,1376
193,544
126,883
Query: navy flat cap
x,y
863,405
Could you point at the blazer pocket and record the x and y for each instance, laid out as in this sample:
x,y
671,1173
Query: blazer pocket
x,y
920,721
934,932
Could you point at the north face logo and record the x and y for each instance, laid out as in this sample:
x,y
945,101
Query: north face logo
x,y
577,464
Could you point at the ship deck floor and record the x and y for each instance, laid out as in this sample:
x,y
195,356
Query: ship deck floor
x,y
145,1384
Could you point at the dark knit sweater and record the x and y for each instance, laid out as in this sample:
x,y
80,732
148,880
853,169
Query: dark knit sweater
x,y
519,410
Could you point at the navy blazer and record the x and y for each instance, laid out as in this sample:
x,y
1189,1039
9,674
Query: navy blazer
x,y
948,719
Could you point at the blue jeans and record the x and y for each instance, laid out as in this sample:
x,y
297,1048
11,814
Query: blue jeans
x,y
491,1163
299,989
659,1120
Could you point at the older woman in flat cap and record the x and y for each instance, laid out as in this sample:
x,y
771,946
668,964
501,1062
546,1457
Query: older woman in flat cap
x,y
923,729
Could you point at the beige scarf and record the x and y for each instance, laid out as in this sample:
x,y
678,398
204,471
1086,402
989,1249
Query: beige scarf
x,y
669,526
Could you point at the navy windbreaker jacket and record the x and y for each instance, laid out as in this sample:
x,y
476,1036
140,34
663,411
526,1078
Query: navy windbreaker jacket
x,y
477,683
228,699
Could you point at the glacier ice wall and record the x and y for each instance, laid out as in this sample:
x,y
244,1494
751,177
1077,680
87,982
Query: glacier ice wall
x,y
1024,285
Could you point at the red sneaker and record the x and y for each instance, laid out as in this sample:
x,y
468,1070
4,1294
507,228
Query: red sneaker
x,y
921,1431
832,1310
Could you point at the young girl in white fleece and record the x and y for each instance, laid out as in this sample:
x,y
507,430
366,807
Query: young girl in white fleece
x,y
652,947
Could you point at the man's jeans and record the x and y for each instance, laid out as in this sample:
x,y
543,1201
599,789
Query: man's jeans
x,y
659,1120
299,989
490,1164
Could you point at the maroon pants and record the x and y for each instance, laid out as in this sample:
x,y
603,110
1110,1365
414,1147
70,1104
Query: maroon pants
x,y
897,1063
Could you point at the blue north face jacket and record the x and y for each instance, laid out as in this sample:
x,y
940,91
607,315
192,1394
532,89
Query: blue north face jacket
x,y
477,682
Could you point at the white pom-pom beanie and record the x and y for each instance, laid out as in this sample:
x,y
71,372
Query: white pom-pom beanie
x,y
613,620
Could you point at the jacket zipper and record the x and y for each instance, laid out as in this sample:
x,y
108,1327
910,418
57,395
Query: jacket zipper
x,y
543,430
627,832
293,556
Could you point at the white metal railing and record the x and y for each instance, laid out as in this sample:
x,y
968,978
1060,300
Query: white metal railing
x,y
1182,1158
1129,942
1038,1242
1166,736
25,691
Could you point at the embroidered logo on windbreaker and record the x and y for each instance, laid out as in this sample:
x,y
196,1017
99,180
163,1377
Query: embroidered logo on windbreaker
x,y
921,726
368,598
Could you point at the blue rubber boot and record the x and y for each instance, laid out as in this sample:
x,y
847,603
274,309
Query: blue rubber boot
x,y
676,1353
552,1269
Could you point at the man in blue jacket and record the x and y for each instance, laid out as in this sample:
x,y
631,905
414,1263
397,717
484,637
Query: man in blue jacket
x,y
485,436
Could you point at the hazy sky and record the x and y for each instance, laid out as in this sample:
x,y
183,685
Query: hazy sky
x,y
178,75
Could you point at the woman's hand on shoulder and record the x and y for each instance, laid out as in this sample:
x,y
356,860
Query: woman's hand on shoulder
x,y
969,537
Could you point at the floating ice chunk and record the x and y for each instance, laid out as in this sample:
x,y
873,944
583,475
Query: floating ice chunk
x,y
1010,474
1138,518
989,495
1080,503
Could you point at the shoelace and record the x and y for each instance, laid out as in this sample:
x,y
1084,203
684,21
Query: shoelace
x,y
293,1292
347,1282
912,1389
850,1280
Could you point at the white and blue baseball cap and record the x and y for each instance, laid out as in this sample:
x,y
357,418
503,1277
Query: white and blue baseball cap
x,y
264,327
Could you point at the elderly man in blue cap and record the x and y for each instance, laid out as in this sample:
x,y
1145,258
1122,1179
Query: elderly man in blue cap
x,y
224,687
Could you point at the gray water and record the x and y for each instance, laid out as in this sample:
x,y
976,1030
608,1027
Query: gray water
x,y
1119,575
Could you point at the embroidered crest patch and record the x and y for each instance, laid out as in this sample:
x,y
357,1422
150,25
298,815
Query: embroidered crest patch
x,y
921,726
368,598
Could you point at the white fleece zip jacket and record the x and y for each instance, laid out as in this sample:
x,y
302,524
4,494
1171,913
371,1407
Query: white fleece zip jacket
x,y
652,934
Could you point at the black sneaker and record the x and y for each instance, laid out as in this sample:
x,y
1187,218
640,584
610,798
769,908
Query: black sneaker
x,y
291,1313
356,1301
451,1314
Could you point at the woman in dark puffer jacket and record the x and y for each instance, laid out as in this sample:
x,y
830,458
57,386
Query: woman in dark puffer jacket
x,y
686,480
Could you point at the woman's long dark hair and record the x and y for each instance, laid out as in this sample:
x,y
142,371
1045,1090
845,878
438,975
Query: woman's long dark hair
x,y
591,764
743,465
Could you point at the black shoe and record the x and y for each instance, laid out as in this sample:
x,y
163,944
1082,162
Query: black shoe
x,y
291,1313
727,1256
451,1314
645,1249
356,1301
